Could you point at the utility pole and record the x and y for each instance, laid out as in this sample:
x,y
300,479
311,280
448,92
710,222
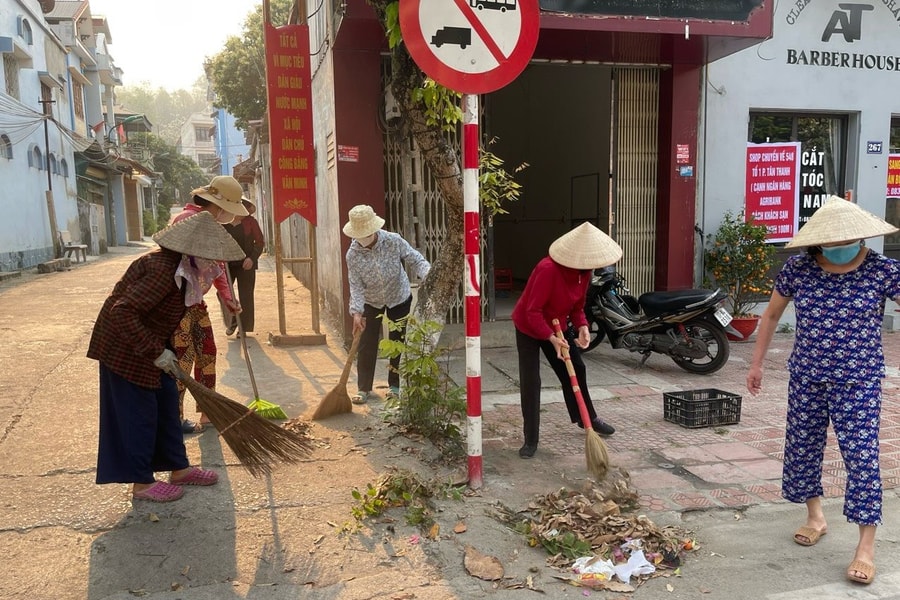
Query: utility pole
x,y
51,207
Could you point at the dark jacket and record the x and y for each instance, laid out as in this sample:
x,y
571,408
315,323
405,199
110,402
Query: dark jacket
x,y
138,318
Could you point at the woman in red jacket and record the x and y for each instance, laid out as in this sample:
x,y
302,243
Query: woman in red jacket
x,y
556,289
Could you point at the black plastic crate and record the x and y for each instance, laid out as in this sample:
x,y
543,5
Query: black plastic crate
x,y
702,408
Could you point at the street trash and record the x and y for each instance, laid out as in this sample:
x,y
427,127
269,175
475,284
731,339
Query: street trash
x,y
636,564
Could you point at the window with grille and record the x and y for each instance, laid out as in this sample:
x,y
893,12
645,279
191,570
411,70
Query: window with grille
x,y
47,99
201,134
6,150
11,75
78,99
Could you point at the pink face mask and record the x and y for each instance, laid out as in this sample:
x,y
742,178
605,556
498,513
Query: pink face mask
x,y
198,275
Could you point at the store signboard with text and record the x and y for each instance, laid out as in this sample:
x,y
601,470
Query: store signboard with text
x,y
893,176
773,188
291,138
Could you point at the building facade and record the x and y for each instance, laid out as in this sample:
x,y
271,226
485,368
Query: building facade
x,y
63,166
823,92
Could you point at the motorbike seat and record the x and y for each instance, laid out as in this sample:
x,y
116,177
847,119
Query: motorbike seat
x,y
657,303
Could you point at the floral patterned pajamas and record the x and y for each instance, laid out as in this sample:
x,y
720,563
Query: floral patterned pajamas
x,y
195,348
853,409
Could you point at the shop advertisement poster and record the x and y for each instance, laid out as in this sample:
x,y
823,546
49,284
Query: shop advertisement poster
x,y
773,188
893,178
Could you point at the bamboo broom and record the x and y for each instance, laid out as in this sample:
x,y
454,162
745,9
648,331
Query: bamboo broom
x,y
595,451
256,441
337,401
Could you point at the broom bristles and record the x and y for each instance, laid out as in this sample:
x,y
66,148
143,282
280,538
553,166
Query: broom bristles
x,y
335,402
255,441
596,454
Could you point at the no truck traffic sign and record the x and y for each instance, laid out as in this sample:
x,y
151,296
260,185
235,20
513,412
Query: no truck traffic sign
x,y
470,46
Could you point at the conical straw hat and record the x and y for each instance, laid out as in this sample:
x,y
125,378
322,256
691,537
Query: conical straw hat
x,y
585,247
200,236
839,220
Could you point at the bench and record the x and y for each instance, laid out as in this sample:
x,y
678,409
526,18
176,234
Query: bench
x,y
79,251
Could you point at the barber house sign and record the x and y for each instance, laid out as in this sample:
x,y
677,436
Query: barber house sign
x,y
846,25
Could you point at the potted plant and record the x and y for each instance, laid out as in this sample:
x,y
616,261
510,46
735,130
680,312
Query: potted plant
x,y
739,260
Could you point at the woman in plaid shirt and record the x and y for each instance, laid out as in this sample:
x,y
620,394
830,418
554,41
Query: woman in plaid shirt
x,y
140,426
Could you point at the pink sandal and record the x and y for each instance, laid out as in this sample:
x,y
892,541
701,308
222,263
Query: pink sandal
x,y
196,476
160,491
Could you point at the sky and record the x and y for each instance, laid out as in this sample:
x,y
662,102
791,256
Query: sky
x,y
164,42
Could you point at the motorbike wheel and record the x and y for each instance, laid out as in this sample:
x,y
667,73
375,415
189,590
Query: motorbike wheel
x,y
597,333
717,347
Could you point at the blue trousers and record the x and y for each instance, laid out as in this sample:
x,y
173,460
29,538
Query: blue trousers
x,y
854,410
140,430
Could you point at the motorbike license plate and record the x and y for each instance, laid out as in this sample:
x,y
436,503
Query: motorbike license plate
x,y
723,317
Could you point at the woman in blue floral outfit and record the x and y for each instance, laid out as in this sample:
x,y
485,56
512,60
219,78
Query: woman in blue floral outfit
x,y
839,288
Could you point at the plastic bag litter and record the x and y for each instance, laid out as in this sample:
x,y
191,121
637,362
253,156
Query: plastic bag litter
x,y
636,564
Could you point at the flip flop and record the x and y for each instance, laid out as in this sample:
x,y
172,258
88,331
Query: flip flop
x,y
861,567
160,491
811,534
196,476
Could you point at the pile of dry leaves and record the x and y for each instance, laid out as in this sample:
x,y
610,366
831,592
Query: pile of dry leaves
x,y
602,521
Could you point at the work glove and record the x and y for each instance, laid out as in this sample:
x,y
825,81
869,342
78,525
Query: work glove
x,y
167,361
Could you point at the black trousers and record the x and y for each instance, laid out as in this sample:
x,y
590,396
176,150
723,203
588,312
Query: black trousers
x,y
245,281
368,344
529,350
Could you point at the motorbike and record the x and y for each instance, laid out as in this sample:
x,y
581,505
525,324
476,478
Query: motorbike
x,y
688,326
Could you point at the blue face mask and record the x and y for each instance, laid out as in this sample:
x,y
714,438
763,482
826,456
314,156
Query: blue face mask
x,y
841,255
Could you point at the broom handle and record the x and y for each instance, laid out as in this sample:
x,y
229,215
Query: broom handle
x,y
243,337
345,374
573,379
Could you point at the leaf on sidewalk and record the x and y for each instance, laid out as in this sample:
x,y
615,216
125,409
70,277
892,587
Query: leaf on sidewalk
x,y
482,566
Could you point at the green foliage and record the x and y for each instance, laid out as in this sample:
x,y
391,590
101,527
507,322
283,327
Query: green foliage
x,y
400,488
739,261
430,403
238,72
566,543
441,106
150,224
392,24
496,184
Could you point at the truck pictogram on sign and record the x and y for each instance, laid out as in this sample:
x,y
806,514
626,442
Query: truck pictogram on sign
x,y
461,36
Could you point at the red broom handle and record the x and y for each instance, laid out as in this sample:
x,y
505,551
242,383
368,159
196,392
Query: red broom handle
x,y
585,417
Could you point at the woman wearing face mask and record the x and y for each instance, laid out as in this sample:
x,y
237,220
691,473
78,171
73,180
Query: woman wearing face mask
x,y
839,288
376,269
193,340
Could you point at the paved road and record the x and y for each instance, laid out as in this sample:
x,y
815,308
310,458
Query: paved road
x,y
278,537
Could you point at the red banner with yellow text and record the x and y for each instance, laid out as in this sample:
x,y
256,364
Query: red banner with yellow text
x,y
893,182
288,80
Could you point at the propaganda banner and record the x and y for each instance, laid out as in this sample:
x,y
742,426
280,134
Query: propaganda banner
x,y
288,78
893,176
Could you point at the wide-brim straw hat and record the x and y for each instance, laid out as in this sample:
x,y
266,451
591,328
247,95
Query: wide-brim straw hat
x,y
363,222
585,247
201,236
225,192
839,220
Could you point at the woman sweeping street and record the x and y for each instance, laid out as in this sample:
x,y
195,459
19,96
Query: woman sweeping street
x,y
140,425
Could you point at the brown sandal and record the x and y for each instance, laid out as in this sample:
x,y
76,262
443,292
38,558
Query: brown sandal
x,y
863,567
811,534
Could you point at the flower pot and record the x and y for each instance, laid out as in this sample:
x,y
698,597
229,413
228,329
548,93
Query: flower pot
x,y
745,325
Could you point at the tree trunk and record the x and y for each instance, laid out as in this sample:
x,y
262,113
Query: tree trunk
x,y
440,287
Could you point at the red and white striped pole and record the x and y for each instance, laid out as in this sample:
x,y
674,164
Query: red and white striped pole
x,y
472,223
